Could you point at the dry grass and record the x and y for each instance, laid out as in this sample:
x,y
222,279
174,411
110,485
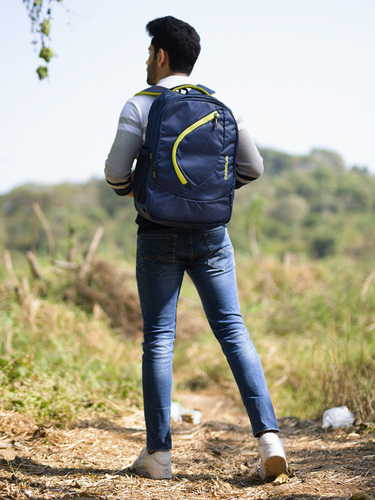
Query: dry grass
x,y
216,459
310,349
306,324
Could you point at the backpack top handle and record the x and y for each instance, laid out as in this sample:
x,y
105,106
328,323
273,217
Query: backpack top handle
x,y
157,90
203,90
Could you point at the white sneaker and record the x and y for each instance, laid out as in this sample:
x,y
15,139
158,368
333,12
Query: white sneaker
x,y
272,456
157,465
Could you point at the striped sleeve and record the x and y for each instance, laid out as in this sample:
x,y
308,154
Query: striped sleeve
x,y
249,166
124,150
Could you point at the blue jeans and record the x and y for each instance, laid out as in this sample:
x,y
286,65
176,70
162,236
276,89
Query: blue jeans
x,y
163,256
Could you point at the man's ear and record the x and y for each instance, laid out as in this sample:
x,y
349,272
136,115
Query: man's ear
x,y
162,58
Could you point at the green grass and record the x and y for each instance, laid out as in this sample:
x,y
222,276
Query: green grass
x,y
65,365
312,323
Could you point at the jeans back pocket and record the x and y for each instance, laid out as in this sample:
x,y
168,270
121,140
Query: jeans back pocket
x,y
156,253
221,250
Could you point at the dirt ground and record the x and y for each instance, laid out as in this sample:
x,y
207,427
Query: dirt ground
x,y
214,459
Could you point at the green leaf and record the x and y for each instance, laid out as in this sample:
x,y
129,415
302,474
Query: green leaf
x,y
46,27
42,72
46,53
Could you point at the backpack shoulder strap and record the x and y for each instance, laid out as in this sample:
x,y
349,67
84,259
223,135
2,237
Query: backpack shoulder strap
x,y
153,91
156,90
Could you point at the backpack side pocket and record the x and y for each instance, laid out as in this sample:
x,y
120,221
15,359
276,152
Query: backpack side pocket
x,y
141,172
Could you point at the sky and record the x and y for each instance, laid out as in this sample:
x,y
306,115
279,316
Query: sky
x,y
301,73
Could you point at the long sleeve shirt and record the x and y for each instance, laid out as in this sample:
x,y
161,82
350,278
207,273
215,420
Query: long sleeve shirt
x,y
131,133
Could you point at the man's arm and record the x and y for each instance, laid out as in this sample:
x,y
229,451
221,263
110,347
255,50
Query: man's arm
x,y
124,150
249,162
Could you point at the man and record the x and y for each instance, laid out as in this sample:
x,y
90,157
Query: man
x,y
165,253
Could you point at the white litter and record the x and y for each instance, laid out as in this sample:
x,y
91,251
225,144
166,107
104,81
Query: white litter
x,y
338,417
179,414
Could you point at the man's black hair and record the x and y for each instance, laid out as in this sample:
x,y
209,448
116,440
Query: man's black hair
x,y
178,39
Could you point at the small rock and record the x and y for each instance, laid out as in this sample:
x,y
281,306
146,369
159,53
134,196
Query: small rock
x,y
361,496
369,445
4,444
8,454
281,479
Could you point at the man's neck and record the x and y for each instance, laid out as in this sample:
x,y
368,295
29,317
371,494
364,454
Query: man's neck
x,y
173,80
166,75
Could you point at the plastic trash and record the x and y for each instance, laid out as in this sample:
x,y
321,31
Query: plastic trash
x,y
179,414
338,417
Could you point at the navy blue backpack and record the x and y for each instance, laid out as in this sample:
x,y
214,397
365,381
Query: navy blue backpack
x,y
186,169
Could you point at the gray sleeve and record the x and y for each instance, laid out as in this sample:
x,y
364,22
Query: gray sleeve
x,y
120,160
249,162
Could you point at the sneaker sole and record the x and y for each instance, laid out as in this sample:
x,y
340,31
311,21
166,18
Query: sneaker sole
x,y
153,473
274,466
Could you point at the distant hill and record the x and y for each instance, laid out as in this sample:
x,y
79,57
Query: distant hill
x,y
309,205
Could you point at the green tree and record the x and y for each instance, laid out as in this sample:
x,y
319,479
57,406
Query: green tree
x,y
323,244
276,163
356,192
291,209
327,159
40,15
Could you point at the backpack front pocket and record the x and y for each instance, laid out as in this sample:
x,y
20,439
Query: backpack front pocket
x,y
211,117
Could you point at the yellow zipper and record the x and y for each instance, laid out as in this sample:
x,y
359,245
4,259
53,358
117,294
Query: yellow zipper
x,y
199,123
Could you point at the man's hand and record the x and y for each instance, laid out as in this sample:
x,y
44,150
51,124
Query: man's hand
x,y
132,178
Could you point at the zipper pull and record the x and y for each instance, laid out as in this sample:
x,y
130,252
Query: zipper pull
x,y
216,115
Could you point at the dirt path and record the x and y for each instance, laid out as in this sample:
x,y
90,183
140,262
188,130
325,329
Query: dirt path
x,y
216,459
